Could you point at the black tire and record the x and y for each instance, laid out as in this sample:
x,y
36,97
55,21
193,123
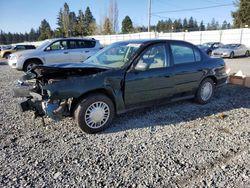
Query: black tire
x,y
6,55
231,55
247,53
84,107
198,97
30,62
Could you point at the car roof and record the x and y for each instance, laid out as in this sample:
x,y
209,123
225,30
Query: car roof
x,y
73,38
146,41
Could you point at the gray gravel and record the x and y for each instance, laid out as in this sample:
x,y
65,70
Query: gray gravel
x,y
181,144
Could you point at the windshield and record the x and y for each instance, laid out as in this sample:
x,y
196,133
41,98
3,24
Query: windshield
x,y
114,56
230,46
44,44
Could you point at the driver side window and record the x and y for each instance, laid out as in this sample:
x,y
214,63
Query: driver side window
x,y
153,57
59,45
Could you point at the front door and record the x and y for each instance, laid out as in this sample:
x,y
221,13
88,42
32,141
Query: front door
x,y
57,52
151,78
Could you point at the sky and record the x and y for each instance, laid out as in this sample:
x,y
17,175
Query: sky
x,y
21,15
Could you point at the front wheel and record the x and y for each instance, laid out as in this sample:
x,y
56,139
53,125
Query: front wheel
x,y
205,91
30,64
94,113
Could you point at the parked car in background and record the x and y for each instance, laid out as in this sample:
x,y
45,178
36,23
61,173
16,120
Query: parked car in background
x,y
123,76
74,50
231,51
20,47
4,47
210,46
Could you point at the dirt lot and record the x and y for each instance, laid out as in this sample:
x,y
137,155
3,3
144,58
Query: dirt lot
x,y
240,63
177,145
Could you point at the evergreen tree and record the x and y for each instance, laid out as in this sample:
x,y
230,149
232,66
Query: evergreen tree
x,y
202,26
107,27
59,32
241,17
66,20
44,30
80,28
185,24
191,24
224,25
127,25
89,21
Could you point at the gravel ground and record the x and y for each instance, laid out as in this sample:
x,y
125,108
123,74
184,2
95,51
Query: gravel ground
x,y
239,63
181,144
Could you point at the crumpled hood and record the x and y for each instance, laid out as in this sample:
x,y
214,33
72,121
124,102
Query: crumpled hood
x,y
63,70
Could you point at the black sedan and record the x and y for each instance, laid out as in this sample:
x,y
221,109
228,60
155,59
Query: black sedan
x,y
123,76
209,47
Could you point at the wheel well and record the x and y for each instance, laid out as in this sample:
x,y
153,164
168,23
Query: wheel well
x,y
6,53
32,59
97,91
213,78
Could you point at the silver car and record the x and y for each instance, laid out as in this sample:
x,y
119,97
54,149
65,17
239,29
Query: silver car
x,y
62,50
231,51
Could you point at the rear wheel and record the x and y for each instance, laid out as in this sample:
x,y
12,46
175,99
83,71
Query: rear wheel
x,y
30,64
205,91
231,55
247,53
94,113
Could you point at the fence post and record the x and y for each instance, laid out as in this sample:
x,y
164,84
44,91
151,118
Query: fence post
x,y
201,37
241,35
220,35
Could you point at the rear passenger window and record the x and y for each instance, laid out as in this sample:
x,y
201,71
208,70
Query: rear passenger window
x,y
86,44
182,53
72,44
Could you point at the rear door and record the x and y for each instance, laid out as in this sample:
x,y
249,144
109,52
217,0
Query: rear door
x,y
153,82
188,69
82,49
57,52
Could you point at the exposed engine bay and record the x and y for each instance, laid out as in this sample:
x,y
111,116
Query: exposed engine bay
x,y
33,89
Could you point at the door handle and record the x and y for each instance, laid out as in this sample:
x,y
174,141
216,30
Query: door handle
x,y
65,52
86,51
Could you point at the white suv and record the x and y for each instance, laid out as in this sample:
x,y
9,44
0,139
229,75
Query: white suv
x,y
63,50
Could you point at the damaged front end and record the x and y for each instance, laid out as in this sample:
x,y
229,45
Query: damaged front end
x,y
49,91
36,99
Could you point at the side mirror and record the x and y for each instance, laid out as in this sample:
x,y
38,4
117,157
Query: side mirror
x,y
48,48
141,66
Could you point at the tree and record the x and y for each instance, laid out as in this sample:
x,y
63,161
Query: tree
x,y
80,27
89,21
127,25
224,25
191,24
202,26
185,24
44,30
107,27
59,32
66,20
241,17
